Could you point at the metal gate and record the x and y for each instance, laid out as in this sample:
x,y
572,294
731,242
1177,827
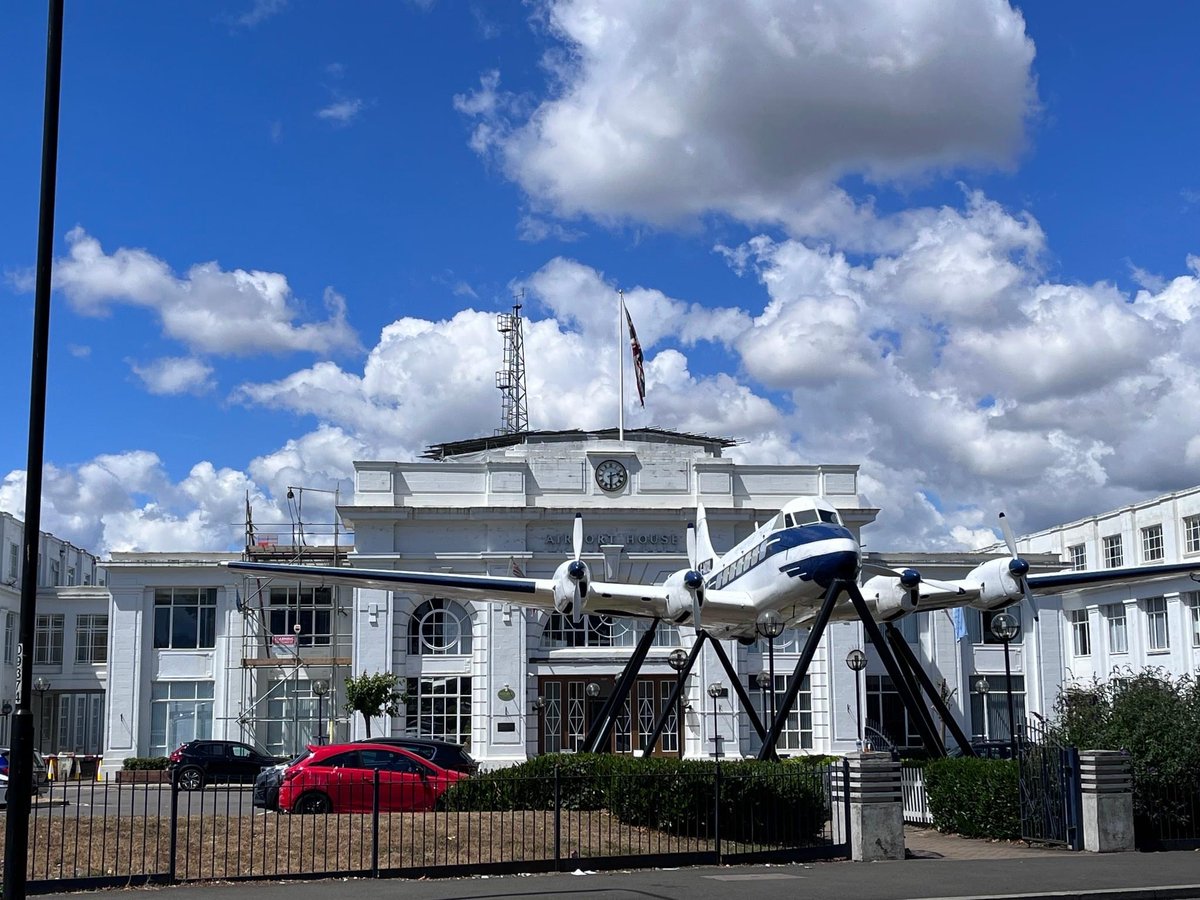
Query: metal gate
x,y
1050,795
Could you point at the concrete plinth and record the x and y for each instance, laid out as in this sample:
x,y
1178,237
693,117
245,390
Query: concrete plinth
x,y
876,807
1106,780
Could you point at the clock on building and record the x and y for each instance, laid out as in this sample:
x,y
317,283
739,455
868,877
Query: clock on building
x,y
611,475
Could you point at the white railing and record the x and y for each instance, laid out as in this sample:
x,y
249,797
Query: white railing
x,y
916,804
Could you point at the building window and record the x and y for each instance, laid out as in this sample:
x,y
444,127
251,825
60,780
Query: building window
x,y
1158,632
1191,534
180,711
91,639
603,631
1081,632
1077,557
55,572
989,712
48,640
1192,599
80,722
439,707
1152,543
70,575
10,638
310,608
185,618
439,628
797,733
14,557
1113,555
295,717
1118,636
886,716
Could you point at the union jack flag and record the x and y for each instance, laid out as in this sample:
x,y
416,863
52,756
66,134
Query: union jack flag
x,y
638,361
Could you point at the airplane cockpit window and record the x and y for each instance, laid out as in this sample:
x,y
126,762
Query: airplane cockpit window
x,y
807,517
787,520
829,516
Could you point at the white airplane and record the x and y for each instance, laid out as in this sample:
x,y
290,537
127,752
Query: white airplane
x,y
788,565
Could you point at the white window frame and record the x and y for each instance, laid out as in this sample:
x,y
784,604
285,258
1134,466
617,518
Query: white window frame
x,y
1114,554
1192,600
1118,628
1081,632
48,631
1077,557
179,711
176,601
14,563
1191,534
1153,549
91,638
1158,626
10,638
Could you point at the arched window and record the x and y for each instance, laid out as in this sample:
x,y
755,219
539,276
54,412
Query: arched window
x,y
439,628
602,631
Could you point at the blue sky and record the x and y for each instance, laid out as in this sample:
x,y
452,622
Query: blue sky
x,y
955,242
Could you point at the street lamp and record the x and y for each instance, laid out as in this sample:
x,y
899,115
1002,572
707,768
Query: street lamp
x,y
677,659
857,661
769,624
715,690
1005,628
6,711
40,687
762,679
320,687
539,707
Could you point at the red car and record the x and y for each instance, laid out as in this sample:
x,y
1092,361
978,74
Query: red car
x,y
340,778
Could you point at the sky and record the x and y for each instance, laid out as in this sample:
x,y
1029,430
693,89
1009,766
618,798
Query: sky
x,y
952,241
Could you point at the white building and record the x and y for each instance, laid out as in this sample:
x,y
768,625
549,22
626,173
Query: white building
x,y
70,646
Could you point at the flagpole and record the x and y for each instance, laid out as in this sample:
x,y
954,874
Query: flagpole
x,y
621,368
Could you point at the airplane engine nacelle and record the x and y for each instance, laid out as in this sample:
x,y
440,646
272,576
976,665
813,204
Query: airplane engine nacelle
x,y
889,597
997,586
685,595
571,581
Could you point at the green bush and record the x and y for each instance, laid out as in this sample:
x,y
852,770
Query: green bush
x,y
136,763
977,798
760,801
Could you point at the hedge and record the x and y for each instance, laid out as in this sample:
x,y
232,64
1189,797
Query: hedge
x,y
138,763
976,798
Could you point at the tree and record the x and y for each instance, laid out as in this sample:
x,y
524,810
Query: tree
x,y
373,695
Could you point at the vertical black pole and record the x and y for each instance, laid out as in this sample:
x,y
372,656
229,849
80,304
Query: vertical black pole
x,y
375,824
858,705
1012,728
771,673
16,845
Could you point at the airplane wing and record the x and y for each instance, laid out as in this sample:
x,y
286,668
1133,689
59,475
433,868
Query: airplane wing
x,y
603,598
989,586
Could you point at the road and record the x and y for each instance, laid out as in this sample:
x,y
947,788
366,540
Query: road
x,y
110,799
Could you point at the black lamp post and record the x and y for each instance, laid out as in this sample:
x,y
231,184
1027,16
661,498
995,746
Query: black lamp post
x,y
320,687
762,679
40,687
6,711
1005,628
539,707
715,690
857,661
769,624
677,659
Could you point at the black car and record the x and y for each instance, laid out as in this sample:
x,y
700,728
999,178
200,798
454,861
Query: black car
x,y
266,785
197,763
440,753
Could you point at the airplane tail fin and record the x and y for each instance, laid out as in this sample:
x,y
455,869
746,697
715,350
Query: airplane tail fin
x,y
706,557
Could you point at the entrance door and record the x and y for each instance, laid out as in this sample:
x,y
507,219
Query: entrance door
x,y
568,712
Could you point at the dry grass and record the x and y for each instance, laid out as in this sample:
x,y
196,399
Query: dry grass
x,y
217,847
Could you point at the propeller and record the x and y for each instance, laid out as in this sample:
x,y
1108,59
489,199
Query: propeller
x,y
1018,567
693,580
912,580
577,570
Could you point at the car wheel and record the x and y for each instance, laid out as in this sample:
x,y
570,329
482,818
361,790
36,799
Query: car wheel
x,y
313,802
190,779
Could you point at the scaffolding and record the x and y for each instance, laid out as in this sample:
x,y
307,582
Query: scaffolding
x,y
287,662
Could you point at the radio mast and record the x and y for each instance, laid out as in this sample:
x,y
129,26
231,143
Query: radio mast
x,y
511,379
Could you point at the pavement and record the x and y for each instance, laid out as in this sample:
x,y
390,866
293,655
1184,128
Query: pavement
x,y
938,867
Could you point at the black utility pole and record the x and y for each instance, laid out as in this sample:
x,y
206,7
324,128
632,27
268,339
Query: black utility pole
x,y
16,845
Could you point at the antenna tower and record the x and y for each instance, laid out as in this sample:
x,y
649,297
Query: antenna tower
x,y
511,379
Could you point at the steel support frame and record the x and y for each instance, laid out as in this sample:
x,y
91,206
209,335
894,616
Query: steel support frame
x,y
907,658
672,703
601,729
899,645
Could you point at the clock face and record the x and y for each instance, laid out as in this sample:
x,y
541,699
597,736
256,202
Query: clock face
x,y
611,475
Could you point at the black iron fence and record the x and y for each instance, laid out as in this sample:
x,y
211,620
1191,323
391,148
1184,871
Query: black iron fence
x,y
1166,812
85,835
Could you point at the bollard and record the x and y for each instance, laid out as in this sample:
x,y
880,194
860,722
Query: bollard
x,y
1106,781
869,810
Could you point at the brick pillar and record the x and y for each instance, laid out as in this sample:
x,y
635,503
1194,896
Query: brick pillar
x,y
1106,780
876,815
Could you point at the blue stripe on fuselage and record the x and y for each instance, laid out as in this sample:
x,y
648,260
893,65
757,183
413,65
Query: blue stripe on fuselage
x,y
825,568
786,539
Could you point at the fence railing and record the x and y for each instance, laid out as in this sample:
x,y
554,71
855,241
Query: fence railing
x,y
1166,813
88,834
916,801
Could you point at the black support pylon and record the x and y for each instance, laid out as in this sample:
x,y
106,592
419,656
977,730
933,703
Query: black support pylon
x,y
906,657
601,730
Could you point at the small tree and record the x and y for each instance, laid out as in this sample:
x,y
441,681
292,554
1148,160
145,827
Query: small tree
x,y
373,695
